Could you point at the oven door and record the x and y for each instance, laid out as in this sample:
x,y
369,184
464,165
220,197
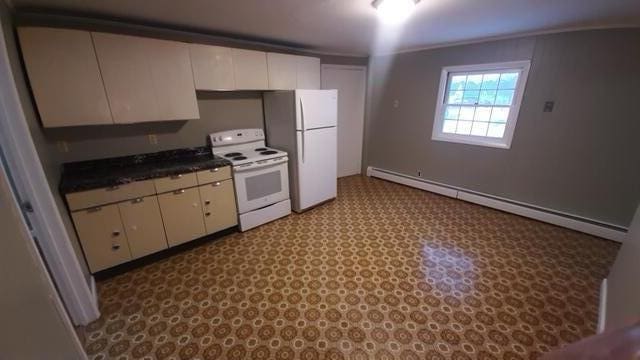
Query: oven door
x,y
261,184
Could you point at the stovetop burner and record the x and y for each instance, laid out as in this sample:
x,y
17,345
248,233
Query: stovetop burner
x,y
233,154
261,149
268,152
239,158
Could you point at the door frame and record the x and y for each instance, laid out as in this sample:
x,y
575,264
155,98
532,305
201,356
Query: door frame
x,y
77,291
364,109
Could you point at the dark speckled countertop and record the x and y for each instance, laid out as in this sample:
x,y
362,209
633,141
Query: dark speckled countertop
x,y
94,174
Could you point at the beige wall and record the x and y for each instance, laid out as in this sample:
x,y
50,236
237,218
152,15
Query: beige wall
x,y
623,295
582,158
34,323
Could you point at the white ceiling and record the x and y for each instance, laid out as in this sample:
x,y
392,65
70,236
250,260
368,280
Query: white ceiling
x,y
350,27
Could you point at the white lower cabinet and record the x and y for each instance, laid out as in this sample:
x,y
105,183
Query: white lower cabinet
x,y
219,205
143,225
102,236
182,215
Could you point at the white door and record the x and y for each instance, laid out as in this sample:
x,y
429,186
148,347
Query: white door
x,y
316,109
316,167
351,82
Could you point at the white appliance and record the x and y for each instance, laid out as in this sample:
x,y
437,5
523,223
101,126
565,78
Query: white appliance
x,y
260,175
304,123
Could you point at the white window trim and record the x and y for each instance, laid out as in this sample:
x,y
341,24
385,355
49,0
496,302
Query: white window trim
x,y
505,141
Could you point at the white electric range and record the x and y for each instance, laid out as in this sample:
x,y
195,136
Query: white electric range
x,y
260,175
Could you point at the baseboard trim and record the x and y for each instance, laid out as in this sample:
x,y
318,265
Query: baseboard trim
x,y
602,309
570,221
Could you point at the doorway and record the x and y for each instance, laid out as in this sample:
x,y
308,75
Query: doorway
x,y
351,82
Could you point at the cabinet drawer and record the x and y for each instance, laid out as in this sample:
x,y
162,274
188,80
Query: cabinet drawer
x,y
96,197
182,215
102,237
175,182
219,205
143,226
213,175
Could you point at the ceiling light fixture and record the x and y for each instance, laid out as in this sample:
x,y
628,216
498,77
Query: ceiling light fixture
x,y
393,12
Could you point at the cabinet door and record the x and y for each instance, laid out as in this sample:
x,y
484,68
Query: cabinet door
x,y
250,69
308,73
172,79
219,205
64,76
143,226
127,77
282,71
102,237
182,215
212,67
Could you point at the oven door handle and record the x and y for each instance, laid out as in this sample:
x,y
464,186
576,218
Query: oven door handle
x,y
259,165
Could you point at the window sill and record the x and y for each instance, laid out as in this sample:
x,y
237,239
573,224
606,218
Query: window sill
x,y
469,140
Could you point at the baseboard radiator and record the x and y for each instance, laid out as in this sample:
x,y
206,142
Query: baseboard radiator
x,y
570,221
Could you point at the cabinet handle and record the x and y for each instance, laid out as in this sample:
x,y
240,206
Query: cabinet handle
x,y
138,200
113,188
178,192
115,247
217,183
95,209
207,214
207,202
116,233
214,170
173,177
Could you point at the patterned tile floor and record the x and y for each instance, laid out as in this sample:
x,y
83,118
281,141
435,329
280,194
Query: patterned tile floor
x,y
383,272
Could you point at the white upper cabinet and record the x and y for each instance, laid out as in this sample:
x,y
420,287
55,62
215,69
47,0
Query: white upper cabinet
x,y
173,79
146,79
64,76
250,69
282,71
308,72
212,67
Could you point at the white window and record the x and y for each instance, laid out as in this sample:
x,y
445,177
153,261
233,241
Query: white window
x,y
478,104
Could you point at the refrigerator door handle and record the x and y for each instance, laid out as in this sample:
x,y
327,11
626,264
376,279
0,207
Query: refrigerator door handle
x,y
302,115
302,143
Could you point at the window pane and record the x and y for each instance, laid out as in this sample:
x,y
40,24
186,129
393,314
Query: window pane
x,y
470,97
490,81
499,114
449,126
466,113
455,97
504,97
452,112
479,128
457,82
508,80
464,127
487,97
473,82
483,113
496,130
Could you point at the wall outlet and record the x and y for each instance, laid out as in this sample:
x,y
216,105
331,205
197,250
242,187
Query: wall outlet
x,y
548,106
153,139
396,103
63,146
419,173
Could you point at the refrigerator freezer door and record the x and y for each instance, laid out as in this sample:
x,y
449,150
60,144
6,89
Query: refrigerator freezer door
x,y
317,167
316,109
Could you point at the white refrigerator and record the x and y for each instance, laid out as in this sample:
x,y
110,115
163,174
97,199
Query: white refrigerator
x,y
304,124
